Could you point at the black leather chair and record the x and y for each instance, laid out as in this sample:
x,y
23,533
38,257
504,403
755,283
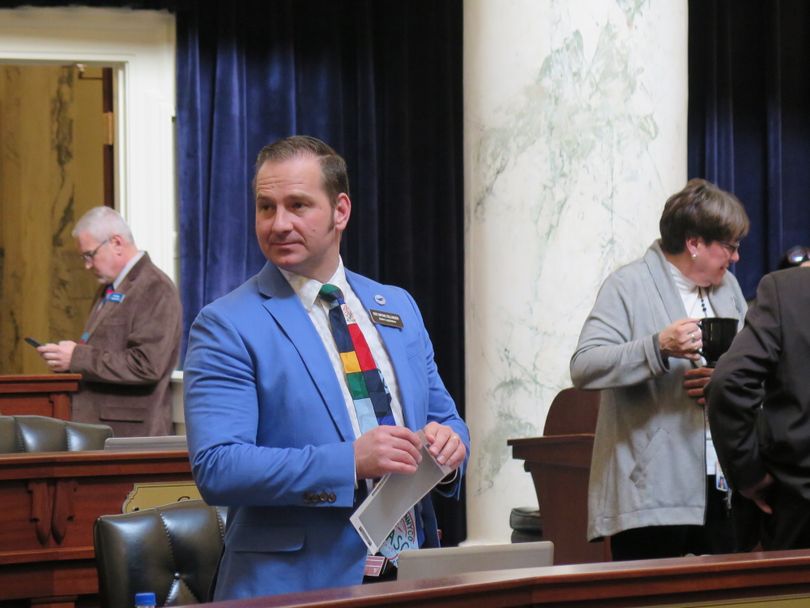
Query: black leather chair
x,y
43,434
171,550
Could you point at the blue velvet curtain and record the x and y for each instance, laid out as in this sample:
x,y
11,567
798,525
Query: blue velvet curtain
x,y
378,80
749,124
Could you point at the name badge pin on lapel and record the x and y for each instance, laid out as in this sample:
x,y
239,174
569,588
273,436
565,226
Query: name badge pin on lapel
x,y
379,299
381,317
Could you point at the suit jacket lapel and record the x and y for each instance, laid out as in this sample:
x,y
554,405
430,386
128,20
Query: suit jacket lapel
x,y
289,313
394,340
95,311
664,283
99,314
723,303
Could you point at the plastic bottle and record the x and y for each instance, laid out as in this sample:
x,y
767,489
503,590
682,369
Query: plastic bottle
x,y
145,600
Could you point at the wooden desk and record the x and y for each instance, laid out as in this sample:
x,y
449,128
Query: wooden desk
x,y
48,505
707,580
560,465
45,395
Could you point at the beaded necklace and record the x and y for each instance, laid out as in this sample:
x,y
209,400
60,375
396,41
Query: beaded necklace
x,y
702,302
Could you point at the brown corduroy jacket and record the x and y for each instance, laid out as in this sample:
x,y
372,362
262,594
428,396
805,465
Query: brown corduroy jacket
x,y
131,347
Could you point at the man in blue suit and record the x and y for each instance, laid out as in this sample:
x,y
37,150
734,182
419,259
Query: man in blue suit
x,y
272,429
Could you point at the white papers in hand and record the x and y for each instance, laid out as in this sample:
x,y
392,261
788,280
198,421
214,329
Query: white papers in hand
x,y
393,496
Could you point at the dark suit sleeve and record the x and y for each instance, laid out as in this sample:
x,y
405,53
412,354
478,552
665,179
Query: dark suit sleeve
x,y
738,386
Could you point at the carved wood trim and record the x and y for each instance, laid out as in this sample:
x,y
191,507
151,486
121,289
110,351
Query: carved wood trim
x,y
41,506
63,511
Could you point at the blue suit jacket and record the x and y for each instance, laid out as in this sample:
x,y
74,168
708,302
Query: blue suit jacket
x,y
270,436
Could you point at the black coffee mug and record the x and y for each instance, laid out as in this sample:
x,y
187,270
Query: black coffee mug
x,y
718,334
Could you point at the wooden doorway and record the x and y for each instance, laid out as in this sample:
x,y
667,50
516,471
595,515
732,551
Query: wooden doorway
x,y
56,161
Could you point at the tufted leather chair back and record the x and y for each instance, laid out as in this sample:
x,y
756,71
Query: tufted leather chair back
x,y
171,550
43,434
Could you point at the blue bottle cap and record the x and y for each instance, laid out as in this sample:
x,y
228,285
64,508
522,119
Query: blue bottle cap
x,y
145,599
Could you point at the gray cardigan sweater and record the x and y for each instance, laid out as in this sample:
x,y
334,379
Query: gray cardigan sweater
x,y
648,465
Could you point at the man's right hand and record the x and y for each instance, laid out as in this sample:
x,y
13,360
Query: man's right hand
x,y
57,356
695,381
386,449
757,493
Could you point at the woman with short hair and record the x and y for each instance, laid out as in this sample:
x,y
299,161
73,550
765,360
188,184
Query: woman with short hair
x,y
655,487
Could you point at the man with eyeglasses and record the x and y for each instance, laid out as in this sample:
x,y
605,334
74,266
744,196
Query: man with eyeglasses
x,y
131,340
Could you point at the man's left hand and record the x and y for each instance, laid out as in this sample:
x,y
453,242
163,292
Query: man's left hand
x,y
445,444
758,493
695,380
58,356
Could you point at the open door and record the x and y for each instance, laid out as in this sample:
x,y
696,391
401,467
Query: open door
x,y
56,162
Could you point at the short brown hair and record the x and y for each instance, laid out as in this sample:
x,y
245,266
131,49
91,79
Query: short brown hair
x,y
702,210
334,175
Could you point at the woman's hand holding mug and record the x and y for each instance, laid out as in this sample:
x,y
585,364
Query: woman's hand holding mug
x,y
682,339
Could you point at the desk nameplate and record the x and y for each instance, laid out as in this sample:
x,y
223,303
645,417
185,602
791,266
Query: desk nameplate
x,y
156,494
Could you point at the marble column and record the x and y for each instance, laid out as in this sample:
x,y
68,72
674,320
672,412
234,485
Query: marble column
x,y
575,134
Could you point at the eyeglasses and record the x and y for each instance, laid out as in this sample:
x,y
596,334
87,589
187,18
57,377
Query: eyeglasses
x,y
732,248
87,256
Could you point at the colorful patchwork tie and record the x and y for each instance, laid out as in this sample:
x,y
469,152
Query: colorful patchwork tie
x,y
372,401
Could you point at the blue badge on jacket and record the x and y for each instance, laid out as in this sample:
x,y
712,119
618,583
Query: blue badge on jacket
x,y
116,297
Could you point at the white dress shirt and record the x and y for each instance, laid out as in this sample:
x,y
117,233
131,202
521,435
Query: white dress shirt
x,y
307,291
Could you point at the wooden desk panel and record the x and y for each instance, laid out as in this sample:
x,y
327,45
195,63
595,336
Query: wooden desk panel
x,y
560,466
38,395
50,502
663,582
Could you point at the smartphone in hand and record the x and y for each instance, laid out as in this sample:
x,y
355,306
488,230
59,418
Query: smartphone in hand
x,y
33,342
